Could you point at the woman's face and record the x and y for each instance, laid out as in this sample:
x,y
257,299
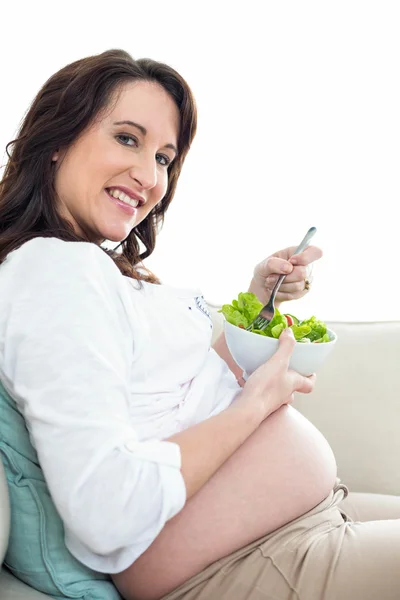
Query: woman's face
x,y
112,176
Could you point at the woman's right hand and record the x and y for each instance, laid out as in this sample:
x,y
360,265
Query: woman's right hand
x,y
273,384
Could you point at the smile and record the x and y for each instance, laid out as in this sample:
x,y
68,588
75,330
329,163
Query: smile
x,y
122,197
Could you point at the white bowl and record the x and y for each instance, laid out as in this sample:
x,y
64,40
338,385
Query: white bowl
x,y
251,350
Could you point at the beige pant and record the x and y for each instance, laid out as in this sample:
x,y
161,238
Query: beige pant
x,y
323,555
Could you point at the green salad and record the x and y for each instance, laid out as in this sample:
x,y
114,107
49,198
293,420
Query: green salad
x,y
244,310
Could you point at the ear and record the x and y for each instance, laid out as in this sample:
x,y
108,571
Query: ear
x,y
55,156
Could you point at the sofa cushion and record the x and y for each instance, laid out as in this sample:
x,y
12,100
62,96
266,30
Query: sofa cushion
x,y
36,551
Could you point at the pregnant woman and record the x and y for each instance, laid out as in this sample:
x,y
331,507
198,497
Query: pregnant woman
x,y
169,472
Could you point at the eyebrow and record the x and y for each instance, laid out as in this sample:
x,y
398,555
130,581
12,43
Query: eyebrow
x,y
144,132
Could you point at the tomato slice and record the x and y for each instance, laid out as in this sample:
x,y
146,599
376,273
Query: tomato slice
x,y
289,320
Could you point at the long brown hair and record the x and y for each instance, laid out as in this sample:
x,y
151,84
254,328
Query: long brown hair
x,y
66,105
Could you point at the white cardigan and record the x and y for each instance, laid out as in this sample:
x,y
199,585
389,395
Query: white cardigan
x,y
103,369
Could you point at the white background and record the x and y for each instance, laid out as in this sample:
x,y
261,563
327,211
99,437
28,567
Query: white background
x,y
299,125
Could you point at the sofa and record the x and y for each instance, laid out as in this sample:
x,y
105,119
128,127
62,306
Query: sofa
x,y
355,404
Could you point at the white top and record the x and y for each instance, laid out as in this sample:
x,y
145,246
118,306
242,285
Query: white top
x,y
103,371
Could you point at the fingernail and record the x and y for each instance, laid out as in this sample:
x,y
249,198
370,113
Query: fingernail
x,y
286,269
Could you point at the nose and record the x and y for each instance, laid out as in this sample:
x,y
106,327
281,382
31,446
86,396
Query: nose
x,y
144,172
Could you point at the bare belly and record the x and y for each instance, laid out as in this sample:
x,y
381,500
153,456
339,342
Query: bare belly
x,y
282,471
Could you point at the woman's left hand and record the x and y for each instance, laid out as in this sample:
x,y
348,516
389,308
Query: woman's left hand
x,y
297,268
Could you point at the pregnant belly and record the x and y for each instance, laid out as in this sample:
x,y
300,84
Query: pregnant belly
x,y
282,471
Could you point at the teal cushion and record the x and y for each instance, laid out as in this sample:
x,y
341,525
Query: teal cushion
x,y
36,552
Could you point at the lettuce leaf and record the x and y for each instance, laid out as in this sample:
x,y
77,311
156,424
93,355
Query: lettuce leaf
x,y
249,305
317,328
243,310
300,331
234,316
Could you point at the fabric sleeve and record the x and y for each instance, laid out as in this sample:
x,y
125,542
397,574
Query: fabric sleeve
x,y
69,349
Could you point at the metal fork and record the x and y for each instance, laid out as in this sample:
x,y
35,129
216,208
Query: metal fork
x,y
266,314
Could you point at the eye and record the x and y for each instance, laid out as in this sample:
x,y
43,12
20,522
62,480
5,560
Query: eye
x,y
126,139
163,160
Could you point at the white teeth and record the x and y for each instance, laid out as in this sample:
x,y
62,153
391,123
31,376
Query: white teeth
x,y
116,193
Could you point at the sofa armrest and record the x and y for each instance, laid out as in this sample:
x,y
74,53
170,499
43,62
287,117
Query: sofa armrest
x,y
356,403
4,513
